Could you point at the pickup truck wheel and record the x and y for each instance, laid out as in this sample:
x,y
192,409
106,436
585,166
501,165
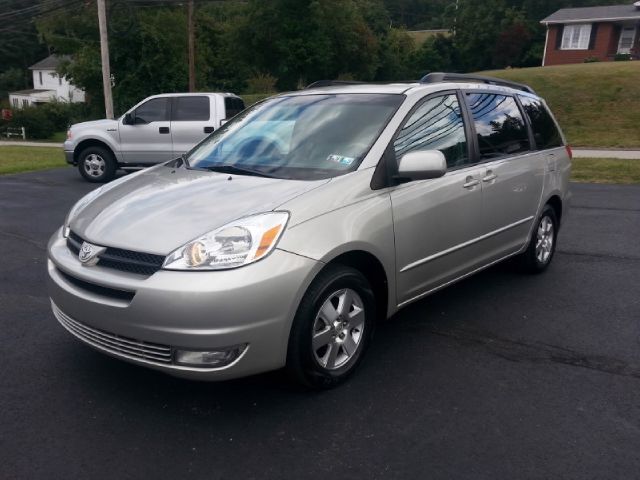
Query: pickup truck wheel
x,y
332,328
97,164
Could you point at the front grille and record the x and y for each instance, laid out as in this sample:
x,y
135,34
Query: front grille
x,y
115,344
119,259
115,293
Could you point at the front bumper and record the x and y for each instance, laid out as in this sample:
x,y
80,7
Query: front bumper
x,y
68,156
69,146
252,305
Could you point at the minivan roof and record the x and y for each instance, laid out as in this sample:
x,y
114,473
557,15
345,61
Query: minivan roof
x,y
407,88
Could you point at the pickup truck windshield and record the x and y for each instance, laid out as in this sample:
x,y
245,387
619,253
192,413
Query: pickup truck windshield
x,y
304,137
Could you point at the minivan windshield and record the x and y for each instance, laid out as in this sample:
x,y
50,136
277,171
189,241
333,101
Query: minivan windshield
x,y
305,137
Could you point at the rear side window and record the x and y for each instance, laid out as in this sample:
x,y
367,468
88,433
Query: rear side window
x,y
499,125
545,131
155,110
233,106
190,108
436,125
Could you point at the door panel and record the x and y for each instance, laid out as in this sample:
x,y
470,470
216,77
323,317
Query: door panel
x,y
510,201
436,223
512,177
148,141
192,119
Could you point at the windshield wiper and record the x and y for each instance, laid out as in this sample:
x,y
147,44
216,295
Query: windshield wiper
x,y
237,170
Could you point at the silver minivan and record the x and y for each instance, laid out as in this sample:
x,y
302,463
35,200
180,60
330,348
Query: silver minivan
x,y
283,237
157,129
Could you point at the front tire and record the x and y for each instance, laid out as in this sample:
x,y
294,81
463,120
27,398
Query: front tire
x,y
97,164
332,328
542,245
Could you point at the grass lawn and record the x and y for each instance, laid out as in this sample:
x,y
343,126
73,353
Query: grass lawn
x,y
26,159
597,104
605,170
588,170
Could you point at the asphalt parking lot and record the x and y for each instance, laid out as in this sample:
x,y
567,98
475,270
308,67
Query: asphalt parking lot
x,y
502,376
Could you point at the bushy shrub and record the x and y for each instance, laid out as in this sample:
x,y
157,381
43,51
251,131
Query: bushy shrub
x,y
622,57
44,120
261,83
591,60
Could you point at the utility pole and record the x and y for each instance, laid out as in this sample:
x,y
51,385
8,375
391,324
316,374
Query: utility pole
x,y
191,42
104,53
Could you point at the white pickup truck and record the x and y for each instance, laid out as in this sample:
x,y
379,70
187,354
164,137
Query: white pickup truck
x,y
157,129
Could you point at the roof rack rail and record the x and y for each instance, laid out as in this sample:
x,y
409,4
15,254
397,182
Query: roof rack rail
x,y
331,83
438,77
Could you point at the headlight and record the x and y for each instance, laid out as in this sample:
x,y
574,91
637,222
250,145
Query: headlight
x,y
233,245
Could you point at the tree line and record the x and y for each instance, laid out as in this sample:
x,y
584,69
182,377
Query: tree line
x,y
259,46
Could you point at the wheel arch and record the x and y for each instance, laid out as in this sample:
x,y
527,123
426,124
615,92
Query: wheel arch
x,y
556,203
373,270
91,142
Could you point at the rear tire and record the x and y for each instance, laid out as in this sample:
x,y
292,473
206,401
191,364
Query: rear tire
x,y
542,244
332,328
97,164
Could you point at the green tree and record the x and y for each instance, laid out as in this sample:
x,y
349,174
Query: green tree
x,y
301,41
147,51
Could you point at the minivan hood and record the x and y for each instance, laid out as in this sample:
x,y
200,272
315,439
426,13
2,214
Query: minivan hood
x,y
161,209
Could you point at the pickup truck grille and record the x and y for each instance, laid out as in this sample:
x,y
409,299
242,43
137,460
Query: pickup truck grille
x,y
119,259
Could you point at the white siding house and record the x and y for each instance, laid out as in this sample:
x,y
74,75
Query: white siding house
x,y
47,86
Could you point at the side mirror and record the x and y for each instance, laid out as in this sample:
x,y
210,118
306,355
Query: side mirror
x,y
128,119
421,165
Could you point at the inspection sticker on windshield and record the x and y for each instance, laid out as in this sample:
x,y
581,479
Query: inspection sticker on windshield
x,y
340,159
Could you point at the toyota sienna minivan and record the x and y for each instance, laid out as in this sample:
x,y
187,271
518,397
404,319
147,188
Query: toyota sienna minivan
x,y
284,236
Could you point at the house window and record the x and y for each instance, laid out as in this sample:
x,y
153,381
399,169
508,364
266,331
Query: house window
x,y
15,102
59,80
25,103
40,76
576,37
627,37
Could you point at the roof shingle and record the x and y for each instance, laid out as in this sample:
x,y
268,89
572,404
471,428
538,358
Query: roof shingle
x,y
50,63
610,12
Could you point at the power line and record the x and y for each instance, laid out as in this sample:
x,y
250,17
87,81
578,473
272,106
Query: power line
x,y
33,11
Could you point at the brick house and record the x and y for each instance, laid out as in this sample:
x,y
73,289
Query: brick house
x,y
576,34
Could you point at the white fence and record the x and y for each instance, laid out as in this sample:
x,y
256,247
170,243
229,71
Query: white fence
x,y
15,132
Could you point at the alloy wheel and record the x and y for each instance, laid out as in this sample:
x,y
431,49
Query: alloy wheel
x,y
544,240
338,329
94,165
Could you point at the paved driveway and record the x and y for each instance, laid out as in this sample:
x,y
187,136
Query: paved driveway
x,y
500,377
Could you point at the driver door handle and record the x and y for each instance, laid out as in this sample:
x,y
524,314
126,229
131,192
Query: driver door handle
x,y
471,182
489,176
163,129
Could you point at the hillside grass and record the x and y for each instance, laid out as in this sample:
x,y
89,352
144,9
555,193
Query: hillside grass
x,y
27,159
605,170
597,104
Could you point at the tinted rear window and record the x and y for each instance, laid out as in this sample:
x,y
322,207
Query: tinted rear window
x,y
499,125
545,131
191,108
233,106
